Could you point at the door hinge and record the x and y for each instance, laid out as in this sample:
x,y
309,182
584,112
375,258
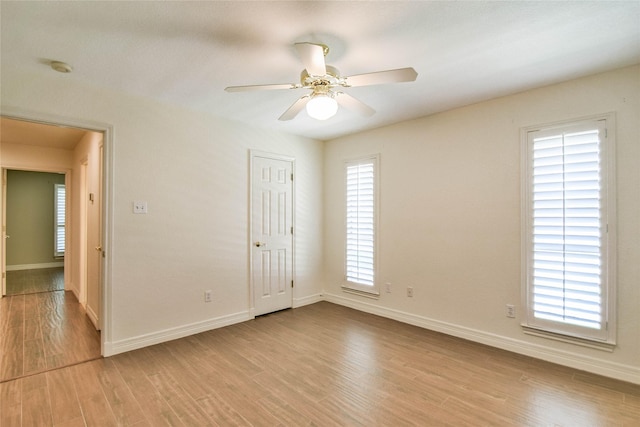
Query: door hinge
x,y
292,177
292,283
292,229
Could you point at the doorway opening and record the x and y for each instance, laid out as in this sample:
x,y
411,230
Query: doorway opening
x,y
74,282
35,215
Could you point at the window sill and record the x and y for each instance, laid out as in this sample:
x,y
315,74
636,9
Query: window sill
x,y
597,345
369,294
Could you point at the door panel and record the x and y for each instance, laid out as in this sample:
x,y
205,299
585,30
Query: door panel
x,y
272,239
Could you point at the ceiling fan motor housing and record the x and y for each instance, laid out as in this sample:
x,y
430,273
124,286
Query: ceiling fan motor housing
x,y
332,78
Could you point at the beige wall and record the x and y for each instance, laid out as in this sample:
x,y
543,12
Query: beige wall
x,y
450,217
30,219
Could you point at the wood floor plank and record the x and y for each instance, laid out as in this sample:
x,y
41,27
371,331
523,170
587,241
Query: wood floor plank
x,y
155,409
180,401
238,400
76,422
16,311
181,369
286,393
122,402
65,406
36,407
93,401
283,411
11,403
220,411
12,360
34,358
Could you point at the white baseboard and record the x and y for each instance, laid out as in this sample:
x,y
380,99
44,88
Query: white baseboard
x,y
93,317
73,289
17,267
311,299
585,363
134,343
116,347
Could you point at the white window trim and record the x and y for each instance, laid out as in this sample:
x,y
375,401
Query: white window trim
x,y
349,286
607,338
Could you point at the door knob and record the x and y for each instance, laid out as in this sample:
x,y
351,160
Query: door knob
x,y
258,244
98,248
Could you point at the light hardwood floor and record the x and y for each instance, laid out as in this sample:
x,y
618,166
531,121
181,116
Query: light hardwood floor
x,y
319,365
42,331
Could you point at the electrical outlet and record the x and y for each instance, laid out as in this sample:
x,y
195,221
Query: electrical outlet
x,y
511,310
409,291
139,207
207,296
387,287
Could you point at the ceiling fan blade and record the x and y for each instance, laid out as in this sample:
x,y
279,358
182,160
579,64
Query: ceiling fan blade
x,y
260,87
312,57
382,77
353,104
295,108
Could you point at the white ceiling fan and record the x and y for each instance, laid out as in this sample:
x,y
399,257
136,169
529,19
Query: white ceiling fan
x,y
325,82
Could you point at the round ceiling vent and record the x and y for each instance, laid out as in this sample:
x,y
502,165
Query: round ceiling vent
x,y
61,67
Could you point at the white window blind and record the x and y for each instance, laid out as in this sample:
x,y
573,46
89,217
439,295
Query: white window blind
x,y
567,286
361,212
59,219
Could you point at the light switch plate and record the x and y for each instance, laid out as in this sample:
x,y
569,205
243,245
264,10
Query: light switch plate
x,y
140,207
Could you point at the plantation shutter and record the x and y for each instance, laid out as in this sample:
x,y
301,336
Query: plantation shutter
x,y
59,219
361,221
566,247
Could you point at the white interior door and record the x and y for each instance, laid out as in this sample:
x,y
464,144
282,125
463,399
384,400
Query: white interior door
x,y
271,232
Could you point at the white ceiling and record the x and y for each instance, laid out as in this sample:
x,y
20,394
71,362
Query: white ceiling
x,y
186,53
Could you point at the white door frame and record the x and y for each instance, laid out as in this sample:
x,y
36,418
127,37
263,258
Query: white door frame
x,y
82,250
107,204
263,154
3,244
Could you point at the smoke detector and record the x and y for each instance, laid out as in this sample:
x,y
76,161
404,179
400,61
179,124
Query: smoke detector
x,y
61,67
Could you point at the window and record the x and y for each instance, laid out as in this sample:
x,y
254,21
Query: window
x,y
361,183
569,235
59,219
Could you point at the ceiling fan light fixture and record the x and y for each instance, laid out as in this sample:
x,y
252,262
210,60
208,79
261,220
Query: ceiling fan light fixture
x,y
322,107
